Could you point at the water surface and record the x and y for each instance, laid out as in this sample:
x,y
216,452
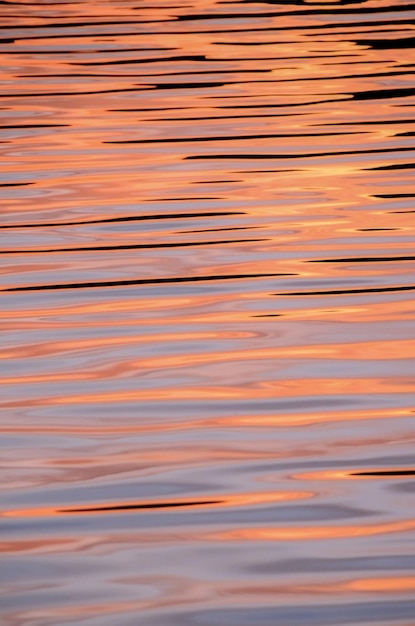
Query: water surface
x,y
207,313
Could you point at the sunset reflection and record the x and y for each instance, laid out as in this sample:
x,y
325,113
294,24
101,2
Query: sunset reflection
x,y
207,313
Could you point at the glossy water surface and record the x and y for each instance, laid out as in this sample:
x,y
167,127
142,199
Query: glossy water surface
x,y
207,305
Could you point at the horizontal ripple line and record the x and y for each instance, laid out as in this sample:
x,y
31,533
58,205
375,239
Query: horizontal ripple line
x,y
143,281
386,473
367,94
28,126
308,11
15,185
50,94
230,138
368,122
373,259
305,155
83,24
340,292
194,57
393,166
129,218
135,507
394,195
144,246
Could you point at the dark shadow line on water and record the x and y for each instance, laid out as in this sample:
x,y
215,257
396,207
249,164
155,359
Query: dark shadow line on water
x,y
369,31
219,71
292,29
374,259
163,74
15,185
394,195
333,10
345,76
149,246
143,281
188,57
183,199
386,473
233,59
365,122
365,62
36,4
102,51
151,109
215,230
380,94
345,292
330,12
393,166
206,85
347,97
83,24
137,507
215,182
406,42
78,35
222,117
388,44
130,218
53,94
268,171
368,94
306,155
229,138
17,126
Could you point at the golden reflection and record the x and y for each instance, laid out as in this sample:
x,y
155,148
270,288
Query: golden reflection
x,y
357,474
311,533
47,545
278,388
284,132
399,584
384,585
220,501
283,420
362,351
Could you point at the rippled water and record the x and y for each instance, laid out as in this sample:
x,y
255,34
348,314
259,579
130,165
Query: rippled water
x,y
207,313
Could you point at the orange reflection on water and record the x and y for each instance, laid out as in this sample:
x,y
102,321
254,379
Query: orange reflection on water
x,y
356,474
215,501
257,132
384,585
278,388
369,585
244,421
312,533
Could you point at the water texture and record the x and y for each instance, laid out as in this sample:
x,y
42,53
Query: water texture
x,y
207,313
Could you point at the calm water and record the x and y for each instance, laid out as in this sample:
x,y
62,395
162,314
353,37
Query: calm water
x,y
207,313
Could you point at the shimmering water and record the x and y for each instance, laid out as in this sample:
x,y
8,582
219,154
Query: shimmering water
x,y
207,313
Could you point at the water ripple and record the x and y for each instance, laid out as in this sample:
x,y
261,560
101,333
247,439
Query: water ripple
x,y
207,313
